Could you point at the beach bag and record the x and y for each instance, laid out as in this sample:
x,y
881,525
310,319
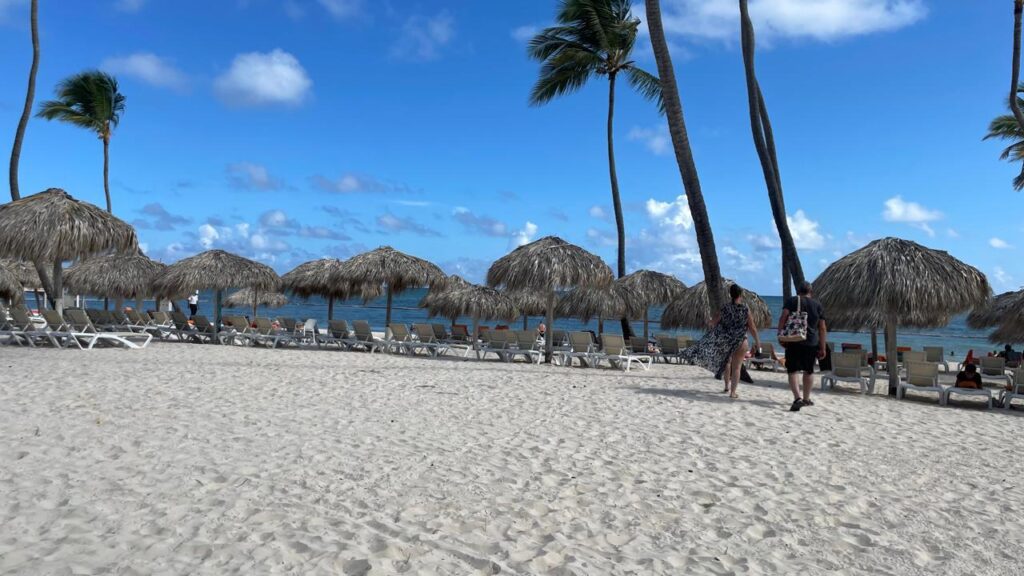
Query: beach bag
x,y
795,329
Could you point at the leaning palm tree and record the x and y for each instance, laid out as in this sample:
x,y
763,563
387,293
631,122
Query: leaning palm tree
x,y
593,38
1006,127
764,143
30,95
89,100
684,156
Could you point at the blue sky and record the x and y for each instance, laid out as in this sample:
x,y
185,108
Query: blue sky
x,y
287,130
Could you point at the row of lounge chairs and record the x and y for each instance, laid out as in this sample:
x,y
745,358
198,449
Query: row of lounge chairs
x,y
76,328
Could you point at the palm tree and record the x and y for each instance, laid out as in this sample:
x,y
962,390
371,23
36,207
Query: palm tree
x,y
764,143
684,156
89,100
1006,127
19,135
593,38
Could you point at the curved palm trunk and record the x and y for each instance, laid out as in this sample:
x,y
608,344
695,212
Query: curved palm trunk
x,y
684,156
1018,9
620,225
44,279
58,288
30,95
764,143
106,171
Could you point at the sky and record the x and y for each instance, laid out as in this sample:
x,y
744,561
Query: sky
x,y
289,130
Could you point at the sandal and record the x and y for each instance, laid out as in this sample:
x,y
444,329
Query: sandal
x,y
734,396
797,404
808,403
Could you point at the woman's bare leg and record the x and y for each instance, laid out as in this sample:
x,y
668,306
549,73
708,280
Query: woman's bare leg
x,y
726,374
736,364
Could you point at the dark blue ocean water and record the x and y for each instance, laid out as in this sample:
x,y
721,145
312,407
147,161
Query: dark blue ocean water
x,y
956,338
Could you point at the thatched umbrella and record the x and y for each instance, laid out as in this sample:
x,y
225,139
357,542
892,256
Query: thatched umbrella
x,y
386,267
530,303
319,278
120,276
646,288
893,282
477,302
997,311
439,289
586,302
52,226
26,275
691,310
10,288
548,265
249,298
1008,333
215,270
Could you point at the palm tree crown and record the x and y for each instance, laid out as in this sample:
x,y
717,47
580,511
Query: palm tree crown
x,y
592,38
89,100
1006,127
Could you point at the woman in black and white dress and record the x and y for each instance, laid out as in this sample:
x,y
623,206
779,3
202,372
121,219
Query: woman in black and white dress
x,y
724,347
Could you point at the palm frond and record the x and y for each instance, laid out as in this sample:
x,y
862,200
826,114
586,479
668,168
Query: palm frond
x,y
88,99
647,84
563,74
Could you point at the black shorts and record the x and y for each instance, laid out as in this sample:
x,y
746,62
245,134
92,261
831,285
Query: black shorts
x,y
801,358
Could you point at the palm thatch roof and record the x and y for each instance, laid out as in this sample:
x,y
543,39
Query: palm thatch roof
x,y
52,226
320,278
529,302
388,267
114,276
215,270
1008,333
691,309
585,303
891,277
477,302
439,289
998,310
249,298
646,288
547,265
10,288
24,272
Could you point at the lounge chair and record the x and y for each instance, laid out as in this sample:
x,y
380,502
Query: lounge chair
x,y
495,342
581,346
668,349
365,339
936,354
269,336
1016,389
400,339
846,367
289,325
986,393
238,330
440,333
638,345
84,329
426,340
922,377
24,331
614,350
526,345
206,331
58,330
994,368
338,333
912,356
767,358
459,334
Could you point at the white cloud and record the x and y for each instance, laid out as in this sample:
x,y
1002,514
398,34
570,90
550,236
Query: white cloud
x,y
824,20
1003,280
596,211
675,214
342,9
525,235
350,183
805,232
478,223
656,139
601,238
423,37
742,262
149,68
129,5
952,233
257,79
524,34
999,244
899,210
250,176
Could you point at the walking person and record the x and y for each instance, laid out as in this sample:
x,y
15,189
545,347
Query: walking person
x,y
723,348
800,356
193,303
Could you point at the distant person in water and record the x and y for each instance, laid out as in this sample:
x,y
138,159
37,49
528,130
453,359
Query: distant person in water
x,y
723,348
193,303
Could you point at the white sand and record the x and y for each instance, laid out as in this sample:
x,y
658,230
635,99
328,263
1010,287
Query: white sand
x,y
185,459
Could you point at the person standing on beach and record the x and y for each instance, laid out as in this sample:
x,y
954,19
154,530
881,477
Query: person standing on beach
x,y
723,348
193,303
800,356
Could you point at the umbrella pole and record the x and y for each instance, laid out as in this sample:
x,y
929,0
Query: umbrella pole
x,y
39,304
526,322
387,313
646,333
216,314
330,308
874,344
890,353
58,287
549,334
600,325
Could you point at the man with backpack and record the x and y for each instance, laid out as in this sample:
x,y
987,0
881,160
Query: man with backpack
x,y
802,332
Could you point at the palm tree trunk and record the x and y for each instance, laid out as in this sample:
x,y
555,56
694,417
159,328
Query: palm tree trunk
x,y
764,143
684,156
106,171
620,224
30,95
787,281
44,279
1018,8
58,288
549,333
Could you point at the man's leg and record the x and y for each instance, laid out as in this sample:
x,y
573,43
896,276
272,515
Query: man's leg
x,y
794,386
808,384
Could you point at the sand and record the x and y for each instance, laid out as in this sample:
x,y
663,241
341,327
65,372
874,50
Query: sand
x,y
186,459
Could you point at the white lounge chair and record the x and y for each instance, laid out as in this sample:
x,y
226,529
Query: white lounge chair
x,y
269,336
936,354
846,367
922,377
83,329
994,368
983,392
767,358
1016,389
581,346
495,342
614,350
527,346
365,339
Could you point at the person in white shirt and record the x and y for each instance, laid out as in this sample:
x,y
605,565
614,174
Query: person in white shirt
x,y
193,303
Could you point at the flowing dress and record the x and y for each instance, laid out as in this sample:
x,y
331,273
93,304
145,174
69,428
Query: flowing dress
x,y
712,352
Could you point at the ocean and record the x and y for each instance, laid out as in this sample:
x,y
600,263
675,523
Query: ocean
x,y
956,338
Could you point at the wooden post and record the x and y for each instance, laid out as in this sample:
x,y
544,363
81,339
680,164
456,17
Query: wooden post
x,y
330,308
549,334
216,314
58,287
646,333
890,353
